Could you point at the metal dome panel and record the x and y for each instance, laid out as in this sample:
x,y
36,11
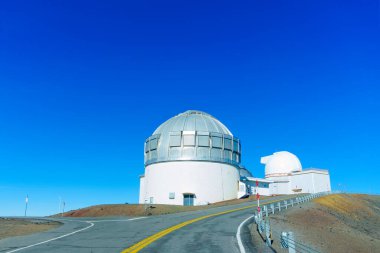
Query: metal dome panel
x,y
192,136
193,121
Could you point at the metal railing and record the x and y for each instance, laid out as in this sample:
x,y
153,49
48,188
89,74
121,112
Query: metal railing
x,y
287,239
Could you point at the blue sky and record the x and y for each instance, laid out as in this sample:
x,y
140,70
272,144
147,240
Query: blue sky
x,y
83,83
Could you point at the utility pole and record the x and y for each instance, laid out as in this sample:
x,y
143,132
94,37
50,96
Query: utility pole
x,y
26,204
63,208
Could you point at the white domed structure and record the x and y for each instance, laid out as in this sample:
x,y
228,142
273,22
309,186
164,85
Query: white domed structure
x,y
284,171
190,159
281,164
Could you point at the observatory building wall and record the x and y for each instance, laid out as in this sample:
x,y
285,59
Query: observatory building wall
x,y
166,183
311,181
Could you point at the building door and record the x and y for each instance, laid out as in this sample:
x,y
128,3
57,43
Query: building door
x,y
188,199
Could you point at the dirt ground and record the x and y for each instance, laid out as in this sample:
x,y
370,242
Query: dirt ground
x,y
143,210
340,223
14,227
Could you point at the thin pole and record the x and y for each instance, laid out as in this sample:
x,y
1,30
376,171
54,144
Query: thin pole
x,y
63,208
258,197
60,205
26,204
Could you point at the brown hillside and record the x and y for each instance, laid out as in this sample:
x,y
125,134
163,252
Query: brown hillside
x,y
334,223
143,210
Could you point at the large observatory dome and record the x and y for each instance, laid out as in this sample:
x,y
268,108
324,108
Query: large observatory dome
x,y
281,163
192,121
192,136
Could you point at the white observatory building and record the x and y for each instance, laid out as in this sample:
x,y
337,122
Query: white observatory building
x,y
284,171
191,159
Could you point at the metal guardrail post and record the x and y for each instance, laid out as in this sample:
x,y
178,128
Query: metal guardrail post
x,y
272,207
268,234
292,249
266,211
279,206
292,202
286,204
261,226
287,241
283,240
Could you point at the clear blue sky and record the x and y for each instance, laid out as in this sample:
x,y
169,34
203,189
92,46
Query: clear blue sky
x,y
82,84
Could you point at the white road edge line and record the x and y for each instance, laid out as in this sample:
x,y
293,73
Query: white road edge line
x,y
53,239
238,237
139,218
65,235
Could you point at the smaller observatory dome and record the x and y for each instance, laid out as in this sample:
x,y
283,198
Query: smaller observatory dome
x,y
192,136
281,163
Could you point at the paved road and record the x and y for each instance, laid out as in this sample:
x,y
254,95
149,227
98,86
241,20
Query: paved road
x,y
212,234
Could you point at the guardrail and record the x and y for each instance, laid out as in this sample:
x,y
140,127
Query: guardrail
x,y
286,238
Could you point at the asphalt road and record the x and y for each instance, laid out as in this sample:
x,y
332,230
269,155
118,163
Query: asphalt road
x,y
212,234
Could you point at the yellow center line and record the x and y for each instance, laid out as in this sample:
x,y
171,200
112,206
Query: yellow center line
x,y
145,242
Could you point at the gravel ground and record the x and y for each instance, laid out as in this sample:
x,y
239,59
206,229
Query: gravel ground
x,y
14,227
336,223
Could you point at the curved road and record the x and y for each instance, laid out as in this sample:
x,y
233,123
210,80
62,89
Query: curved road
x,y
206,234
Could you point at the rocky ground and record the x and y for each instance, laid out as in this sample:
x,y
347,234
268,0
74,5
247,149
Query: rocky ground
x,y
335,223
13,227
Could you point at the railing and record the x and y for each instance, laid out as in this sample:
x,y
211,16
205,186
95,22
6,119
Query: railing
x,y
286,239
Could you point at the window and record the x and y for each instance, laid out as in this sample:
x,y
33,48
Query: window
x,y
227,143
153,154
188,152
234,157
147,146
216,153
203,141
227,154
175,140
153,143
203,152
236,145
216,142
171,195
189,140
175,152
